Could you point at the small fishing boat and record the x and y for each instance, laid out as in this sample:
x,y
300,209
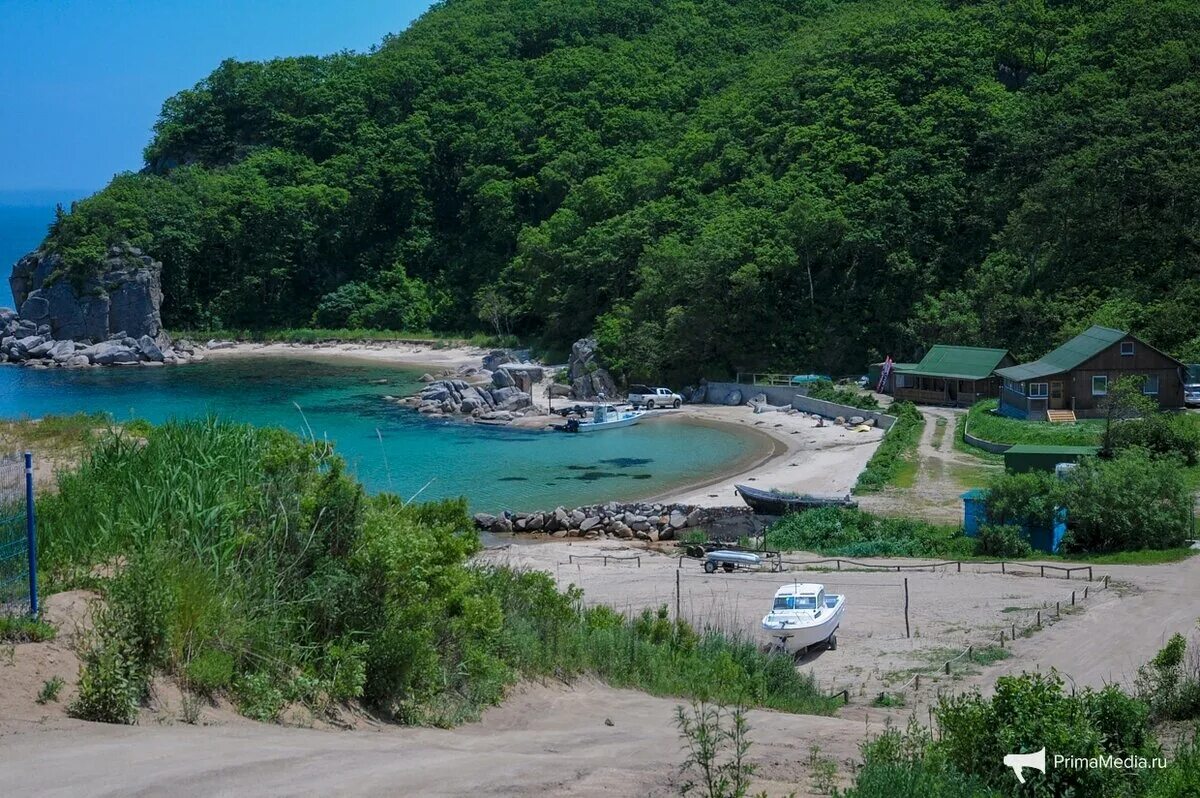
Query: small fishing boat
x,y
603,417
774,502
804,615
730,560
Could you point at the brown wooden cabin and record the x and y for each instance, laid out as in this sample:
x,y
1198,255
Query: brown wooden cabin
x,y
950,375
1074,378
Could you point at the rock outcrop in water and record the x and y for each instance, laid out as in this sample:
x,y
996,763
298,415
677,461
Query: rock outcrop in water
x,y
499,401
112,317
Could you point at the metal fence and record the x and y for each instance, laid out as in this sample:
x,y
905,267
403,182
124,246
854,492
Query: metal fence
x,y
18,544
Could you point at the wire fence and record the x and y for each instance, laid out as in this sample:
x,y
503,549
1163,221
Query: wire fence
x,y
18,555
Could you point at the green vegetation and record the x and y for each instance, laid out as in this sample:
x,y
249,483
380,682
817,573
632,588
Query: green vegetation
x,y
1003,542
716,742
1131,502
706,186
1170,683
243,562
23,629
842,395
1027,712
50,690
897,453
844,532
983,422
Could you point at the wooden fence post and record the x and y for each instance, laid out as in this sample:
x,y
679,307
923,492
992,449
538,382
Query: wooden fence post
x,y
1039,619
677,596
906,629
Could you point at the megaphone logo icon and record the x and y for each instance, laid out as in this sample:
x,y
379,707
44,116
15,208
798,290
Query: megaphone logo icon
x,y
1018,762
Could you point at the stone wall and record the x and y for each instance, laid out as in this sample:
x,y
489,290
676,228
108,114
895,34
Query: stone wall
x,y
630,520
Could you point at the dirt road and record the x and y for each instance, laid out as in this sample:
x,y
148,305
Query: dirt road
x,y
550,740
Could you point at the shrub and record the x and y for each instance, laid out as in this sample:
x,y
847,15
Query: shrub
x,y
210,671
1170,683
897,448
50,690
855,533
259,696
112,681
1002,541
842,395
1162,434
1130,502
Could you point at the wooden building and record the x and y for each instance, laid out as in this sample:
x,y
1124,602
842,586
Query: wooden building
x,y
1072,381
950,375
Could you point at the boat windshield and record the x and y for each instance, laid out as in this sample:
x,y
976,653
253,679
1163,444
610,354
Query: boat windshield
x,y
795,603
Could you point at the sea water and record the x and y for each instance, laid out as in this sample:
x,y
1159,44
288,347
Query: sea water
x,y
386,445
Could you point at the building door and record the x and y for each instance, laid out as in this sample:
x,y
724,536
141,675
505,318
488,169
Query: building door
x,y
952,390
1057,401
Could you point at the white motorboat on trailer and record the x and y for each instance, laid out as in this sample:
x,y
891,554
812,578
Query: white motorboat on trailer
x,y
604,417
803,615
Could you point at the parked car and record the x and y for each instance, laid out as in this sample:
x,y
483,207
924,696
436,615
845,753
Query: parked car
x,y
650,398
1191,395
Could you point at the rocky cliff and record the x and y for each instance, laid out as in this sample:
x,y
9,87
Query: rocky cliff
x,y
111,317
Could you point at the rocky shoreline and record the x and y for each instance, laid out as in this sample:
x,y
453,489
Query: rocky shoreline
x,y
649,521
108,317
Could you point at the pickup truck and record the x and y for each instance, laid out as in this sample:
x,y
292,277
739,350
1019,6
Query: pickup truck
x,y
650,398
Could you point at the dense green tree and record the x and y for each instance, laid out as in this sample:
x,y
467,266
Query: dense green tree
x,y
786,184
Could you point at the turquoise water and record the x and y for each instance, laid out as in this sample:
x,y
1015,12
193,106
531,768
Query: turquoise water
x,y
494,468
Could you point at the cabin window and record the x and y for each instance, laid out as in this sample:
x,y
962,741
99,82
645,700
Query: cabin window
x,y
1150,385
1127,348
1039,390
1100,385
795,603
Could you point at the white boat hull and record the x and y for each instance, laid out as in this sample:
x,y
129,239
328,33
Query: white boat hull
x,y
796,631
603,425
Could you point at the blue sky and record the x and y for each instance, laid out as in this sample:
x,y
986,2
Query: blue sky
x,y
81,81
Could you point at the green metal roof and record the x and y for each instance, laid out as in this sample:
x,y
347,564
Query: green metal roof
x,y
1087,344
957,362
1036,448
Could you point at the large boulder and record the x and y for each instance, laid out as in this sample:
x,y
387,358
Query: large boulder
x,y
121,292
588,379
110,353
497,358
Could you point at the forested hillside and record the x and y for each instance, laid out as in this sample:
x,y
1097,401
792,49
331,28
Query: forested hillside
x,y
707,184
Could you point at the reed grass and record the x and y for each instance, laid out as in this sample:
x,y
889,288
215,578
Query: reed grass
x,y
244,562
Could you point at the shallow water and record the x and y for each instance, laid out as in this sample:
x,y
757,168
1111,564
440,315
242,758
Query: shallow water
x,y
387,446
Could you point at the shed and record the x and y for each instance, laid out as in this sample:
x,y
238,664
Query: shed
x,y
1036,457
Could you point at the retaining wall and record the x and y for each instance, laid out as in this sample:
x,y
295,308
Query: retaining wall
x,y
780,395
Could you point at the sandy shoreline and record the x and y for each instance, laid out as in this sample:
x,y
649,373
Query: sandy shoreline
x,y
790,452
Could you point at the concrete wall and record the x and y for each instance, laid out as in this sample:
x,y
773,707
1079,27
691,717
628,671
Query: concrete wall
x,y
788,395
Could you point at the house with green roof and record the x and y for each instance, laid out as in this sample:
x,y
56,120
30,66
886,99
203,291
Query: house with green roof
x,y
951,375
1071,381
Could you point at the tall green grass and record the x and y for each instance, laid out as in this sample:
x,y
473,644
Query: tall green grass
x,y
837,531
244,562
897,453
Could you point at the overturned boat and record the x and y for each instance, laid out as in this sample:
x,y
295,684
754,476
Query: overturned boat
x,y
776,502
804,615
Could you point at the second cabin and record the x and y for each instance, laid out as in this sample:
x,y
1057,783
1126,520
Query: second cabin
x,y
1072,381
950,375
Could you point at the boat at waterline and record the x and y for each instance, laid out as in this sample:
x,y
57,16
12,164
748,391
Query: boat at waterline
x,y
804,615
603,417
768,502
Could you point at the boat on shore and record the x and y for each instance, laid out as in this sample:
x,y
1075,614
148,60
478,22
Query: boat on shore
x,y
804,615
774,502
603,417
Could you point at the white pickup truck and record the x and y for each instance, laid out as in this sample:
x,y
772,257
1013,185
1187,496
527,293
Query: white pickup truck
x,y
650,398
